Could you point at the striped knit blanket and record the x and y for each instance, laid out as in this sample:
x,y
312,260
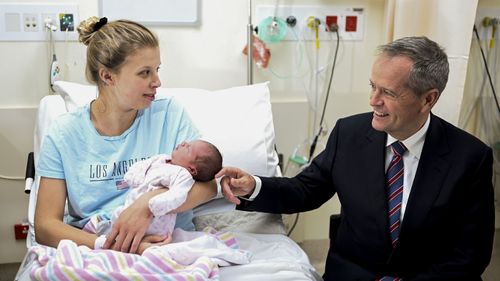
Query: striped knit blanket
x,y
183,260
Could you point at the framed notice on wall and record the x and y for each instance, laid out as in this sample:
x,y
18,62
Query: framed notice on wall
x,y
152,12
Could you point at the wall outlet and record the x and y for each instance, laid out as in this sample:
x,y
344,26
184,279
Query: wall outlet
x,y
50,19
30,22
21,231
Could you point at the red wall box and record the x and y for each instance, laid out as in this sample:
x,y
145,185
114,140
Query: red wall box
x,y
21,230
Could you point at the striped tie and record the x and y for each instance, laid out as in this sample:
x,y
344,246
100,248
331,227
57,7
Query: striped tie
x,y
394,179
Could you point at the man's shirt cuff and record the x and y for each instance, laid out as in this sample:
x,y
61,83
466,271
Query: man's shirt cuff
x,y
258,185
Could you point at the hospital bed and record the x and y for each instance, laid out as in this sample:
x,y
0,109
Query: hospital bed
x,y
239,122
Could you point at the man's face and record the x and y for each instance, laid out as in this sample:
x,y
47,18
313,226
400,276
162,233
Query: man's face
x,y
396,109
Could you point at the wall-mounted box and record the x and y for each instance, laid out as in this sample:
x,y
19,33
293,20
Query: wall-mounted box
x,y
21,230
27,21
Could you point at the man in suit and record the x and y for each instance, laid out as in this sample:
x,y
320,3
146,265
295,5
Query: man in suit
x,y
433,220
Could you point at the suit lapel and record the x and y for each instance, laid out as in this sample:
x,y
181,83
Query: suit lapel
x,y
373,155
429,177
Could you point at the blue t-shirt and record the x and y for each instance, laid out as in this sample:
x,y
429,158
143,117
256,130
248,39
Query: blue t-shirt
x,y
93,165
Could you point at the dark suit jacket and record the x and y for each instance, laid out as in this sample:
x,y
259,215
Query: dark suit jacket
x,y
448,227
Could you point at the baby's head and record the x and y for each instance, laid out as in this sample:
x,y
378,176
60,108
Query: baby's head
x,y
201,158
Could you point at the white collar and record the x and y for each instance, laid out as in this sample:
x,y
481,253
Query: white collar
x,y
415,143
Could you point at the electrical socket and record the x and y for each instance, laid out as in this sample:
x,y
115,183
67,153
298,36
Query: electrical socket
x,y
30,22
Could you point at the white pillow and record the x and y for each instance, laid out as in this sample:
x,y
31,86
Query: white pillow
x,y
238,121
74,94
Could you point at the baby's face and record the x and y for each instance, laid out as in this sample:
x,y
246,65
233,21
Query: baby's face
x,y
186,152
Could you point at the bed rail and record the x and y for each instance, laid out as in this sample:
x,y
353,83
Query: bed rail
x,y
30,173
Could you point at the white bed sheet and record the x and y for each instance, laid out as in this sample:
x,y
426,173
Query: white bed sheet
x,y
274,257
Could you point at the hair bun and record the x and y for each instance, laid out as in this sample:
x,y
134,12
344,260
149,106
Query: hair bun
x,y
86,29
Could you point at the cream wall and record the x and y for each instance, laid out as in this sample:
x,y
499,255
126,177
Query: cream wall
x,y
208,56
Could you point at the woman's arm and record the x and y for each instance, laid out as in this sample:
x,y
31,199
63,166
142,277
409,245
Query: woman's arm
x,y
131,225
200,193
49,225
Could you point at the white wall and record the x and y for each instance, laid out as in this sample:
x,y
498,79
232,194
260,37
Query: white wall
x,y
208,56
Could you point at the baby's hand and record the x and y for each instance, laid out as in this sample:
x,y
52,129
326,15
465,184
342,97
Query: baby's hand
x,y
235,182
130,227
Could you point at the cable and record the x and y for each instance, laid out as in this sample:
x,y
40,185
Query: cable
x,y
300,51
294,224
30,170
487,69
315,140
11,178
54,72
276,5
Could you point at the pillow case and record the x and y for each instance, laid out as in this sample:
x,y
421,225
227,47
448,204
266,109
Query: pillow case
x,y
239,122
75,94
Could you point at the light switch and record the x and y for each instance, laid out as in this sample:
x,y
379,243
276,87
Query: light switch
x,y
12,22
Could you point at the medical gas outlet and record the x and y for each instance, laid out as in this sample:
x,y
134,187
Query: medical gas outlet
x,y
313,23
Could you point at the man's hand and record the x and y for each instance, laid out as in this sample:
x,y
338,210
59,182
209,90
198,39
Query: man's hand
x,y
130,227
153,240
235,182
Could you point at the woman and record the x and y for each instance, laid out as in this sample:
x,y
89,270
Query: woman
x,y
86,153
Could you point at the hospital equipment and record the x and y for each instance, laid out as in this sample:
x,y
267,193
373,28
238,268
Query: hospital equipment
x,y
239,122
55,70
495,22
250,45
272,29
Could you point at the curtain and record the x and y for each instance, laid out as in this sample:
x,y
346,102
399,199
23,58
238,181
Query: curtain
x,y
480,114
449,23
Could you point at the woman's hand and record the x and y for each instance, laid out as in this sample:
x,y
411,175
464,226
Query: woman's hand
x,y
153,240
130,227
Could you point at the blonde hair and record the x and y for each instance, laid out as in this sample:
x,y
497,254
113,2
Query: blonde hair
x,y
109,44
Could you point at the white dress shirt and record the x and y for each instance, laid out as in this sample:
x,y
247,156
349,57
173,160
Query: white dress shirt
x,y
414,144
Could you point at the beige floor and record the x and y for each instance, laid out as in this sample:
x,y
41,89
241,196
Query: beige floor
x,y
317,251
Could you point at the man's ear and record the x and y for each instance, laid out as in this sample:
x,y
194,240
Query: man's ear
x,y
429,99
106,76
